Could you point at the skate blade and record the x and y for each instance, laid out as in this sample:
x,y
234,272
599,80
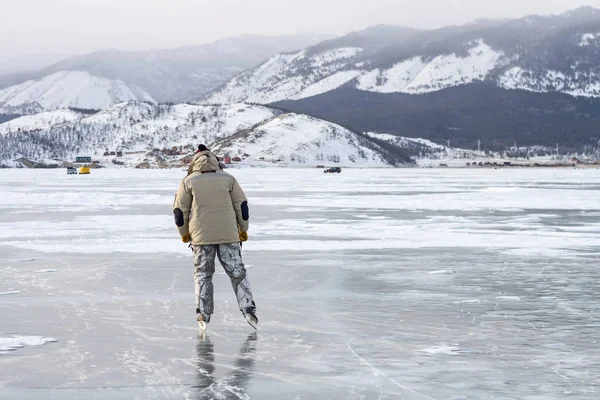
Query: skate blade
x,y
202,325
252,322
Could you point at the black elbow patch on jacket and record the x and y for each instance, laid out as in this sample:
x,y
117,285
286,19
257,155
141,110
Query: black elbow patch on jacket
x,y
245,211
179,221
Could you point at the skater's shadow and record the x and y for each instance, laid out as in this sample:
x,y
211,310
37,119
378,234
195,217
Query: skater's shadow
x,y
233,384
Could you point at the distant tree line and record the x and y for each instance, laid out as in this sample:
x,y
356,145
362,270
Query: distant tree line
x,y
87,111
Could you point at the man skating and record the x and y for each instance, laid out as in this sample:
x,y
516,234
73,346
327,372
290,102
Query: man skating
x,y
211,212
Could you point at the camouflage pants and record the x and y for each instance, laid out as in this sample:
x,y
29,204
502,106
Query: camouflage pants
x,y
230,256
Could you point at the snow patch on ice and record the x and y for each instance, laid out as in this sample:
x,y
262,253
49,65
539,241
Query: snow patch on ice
x,y
446,350
471,301
425,209
442,272
10,293
499,189
508,298
18,342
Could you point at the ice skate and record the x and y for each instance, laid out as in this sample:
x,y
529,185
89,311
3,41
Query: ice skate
x,y
250,315
203,322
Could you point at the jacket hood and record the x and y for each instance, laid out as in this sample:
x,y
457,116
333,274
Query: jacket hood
x,y
205,161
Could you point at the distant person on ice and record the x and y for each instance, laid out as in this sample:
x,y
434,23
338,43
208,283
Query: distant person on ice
x,y
211,213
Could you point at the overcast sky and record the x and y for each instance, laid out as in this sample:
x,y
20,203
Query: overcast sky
x,y
78,26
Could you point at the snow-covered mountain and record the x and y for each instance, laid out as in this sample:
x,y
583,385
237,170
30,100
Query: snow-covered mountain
x,y
254,133
67,89
542,54
179,74
534,80
303,140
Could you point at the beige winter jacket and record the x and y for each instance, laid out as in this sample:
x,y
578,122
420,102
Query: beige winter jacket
x,y
210,204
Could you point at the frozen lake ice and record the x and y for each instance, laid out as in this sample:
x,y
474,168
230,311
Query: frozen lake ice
x,y
372,284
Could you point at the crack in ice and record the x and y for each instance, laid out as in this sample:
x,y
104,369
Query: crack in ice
x,y
363,361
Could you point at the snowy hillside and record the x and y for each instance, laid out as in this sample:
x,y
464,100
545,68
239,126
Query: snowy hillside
x,y
414,76
254,133
583,84
41,121
272,81
275,80
303,140
547,54
67,90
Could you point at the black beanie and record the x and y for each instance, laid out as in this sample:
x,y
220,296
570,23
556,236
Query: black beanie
x,y
202,147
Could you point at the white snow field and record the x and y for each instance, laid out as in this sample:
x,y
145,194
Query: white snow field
x,y
372,284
